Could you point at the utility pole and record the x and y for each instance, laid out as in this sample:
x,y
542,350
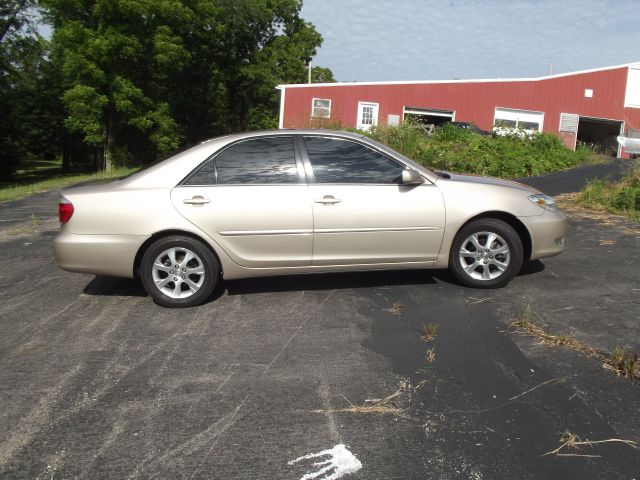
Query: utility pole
x,y
309,73
550,72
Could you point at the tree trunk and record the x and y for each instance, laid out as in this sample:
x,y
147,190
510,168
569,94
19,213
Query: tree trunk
x,y
66,156
108,144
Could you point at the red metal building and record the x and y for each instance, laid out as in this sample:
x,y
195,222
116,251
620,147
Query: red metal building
x,y
592,106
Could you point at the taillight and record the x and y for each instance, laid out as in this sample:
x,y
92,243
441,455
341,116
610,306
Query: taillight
x,y
65,209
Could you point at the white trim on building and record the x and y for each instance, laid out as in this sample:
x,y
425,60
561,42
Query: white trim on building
x,y
632,94
633,65
282,89
320,110
367,115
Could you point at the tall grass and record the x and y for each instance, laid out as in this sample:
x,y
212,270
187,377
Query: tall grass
x,y
617,197
459,150
9,191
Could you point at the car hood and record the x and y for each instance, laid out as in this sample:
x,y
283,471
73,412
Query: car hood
x,y
479,179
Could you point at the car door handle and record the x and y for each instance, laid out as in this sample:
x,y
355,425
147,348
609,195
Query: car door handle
x,y
196,200
328,199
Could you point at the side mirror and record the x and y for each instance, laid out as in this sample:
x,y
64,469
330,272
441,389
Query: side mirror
x,y
411,177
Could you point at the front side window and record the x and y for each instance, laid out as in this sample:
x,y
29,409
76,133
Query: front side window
x,y
342,161
257,161
321,107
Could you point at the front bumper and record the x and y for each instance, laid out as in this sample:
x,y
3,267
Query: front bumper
x,y
548,232
111,255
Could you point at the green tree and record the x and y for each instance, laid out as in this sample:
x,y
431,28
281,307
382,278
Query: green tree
x,y
111,52
240,50
321,75
28,99
15,16
141,78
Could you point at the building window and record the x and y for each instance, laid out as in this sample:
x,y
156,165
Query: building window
x,y
321,107
508,120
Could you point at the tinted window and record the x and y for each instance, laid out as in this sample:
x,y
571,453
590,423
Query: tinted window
x,y
205,176
342,161
260,160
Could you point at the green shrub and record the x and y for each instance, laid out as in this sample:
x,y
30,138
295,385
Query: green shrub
x,y
460,150
616,197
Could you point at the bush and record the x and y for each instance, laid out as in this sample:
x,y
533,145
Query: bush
x,y
616,197
460,150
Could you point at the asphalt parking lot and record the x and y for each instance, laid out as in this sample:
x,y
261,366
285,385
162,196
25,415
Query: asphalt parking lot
x,y
98,382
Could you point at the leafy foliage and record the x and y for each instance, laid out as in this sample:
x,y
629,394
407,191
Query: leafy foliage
x,y
29,91
459,150
128,81
321,75
616,197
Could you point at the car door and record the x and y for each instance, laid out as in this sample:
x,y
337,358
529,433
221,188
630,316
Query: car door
x,y
252,199
362,213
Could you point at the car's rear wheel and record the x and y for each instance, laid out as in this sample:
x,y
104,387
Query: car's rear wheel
x,y
179,271
486,253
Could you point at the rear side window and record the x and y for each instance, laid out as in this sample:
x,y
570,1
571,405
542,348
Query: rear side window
x,y
342,161
256,161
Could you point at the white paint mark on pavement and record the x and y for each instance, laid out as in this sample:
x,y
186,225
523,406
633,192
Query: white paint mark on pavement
x,y
341,462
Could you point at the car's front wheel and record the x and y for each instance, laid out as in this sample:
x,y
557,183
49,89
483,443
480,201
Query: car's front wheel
x,y
179,271
486,253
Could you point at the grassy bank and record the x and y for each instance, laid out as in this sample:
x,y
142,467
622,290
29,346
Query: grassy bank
x,y
622,197
459,150
26,183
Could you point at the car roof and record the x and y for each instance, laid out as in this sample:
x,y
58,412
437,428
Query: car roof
x,y
286,131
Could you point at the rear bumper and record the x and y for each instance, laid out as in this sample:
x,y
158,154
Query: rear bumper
x,y
111,255
547,233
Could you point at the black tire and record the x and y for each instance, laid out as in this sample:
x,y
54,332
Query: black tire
x,y
505,233
204,261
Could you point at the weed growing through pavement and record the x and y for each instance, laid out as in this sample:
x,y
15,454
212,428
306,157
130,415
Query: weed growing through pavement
x,y
396,308
570,441
386,405
35,220
621,361
429,332
430,357
525,323
624,363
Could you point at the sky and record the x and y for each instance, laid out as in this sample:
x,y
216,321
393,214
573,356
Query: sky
x,y
380,40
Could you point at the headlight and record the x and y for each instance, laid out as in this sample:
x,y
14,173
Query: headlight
x,y
544,201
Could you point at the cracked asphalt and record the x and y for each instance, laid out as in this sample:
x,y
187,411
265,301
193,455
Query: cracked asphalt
x,y
98,382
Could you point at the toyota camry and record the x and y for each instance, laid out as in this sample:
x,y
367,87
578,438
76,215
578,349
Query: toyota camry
x,y
299,201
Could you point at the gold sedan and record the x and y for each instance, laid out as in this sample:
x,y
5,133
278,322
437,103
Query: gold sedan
x,y
299,201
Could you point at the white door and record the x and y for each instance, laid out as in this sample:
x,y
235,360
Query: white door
x,y
362,213
367,115
249,200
